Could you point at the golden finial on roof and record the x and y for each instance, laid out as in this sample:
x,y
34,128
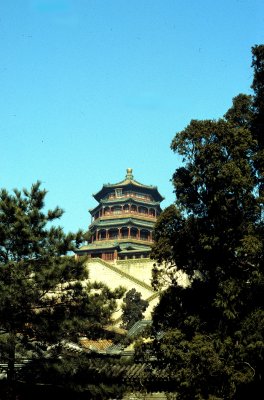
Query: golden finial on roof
x,y
129,174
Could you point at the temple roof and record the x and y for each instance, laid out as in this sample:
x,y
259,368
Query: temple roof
x,y
122,222
122,248
99,246
129,199
130,183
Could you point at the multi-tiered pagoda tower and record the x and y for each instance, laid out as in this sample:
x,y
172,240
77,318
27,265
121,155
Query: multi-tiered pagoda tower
x,y
123,221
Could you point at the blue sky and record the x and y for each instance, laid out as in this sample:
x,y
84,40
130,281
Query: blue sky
x,y
89,88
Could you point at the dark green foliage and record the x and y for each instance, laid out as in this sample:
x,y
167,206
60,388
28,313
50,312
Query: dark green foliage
x,y
166,228
258,87
241,114
133,308
213,342
258,121
43,300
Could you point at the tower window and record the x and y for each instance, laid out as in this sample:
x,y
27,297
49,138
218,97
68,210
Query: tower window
x,y
118,192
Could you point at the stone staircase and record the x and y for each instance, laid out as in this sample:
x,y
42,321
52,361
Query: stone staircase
x,y
128,281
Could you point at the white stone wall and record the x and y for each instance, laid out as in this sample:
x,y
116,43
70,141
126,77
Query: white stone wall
x,y
132,273
139,268
123,274
102,273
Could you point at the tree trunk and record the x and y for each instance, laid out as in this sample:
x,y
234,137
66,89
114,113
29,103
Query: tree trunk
x,y
11,366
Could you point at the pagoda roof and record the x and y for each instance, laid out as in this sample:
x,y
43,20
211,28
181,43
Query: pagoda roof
x,y
122,248
130,183
122,221
99,246
124,200
130,246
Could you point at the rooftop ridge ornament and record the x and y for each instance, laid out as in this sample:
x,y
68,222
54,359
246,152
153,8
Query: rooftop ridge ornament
x,y
129,174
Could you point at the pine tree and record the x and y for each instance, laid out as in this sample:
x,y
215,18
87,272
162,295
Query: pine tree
x,y
46,298
133,308
213,341
257,127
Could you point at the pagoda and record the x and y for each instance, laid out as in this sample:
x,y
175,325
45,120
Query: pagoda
x,y
123,220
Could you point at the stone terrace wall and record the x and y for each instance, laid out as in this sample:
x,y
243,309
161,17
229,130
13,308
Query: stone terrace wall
x,y
128,274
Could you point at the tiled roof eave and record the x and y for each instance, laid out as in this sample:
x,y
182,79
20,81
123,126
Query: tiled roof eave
x,y
126,183
122,222
98,246
132,251
130,199
135,246
124,200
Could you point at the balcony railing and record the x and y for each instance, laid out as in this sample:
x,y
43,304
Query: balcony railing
x,y
124,238
130,214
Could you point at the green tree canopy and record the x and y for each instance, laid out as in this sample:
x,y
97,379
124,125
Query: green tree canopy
x,y
257,127
45,295
214,327
133,308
